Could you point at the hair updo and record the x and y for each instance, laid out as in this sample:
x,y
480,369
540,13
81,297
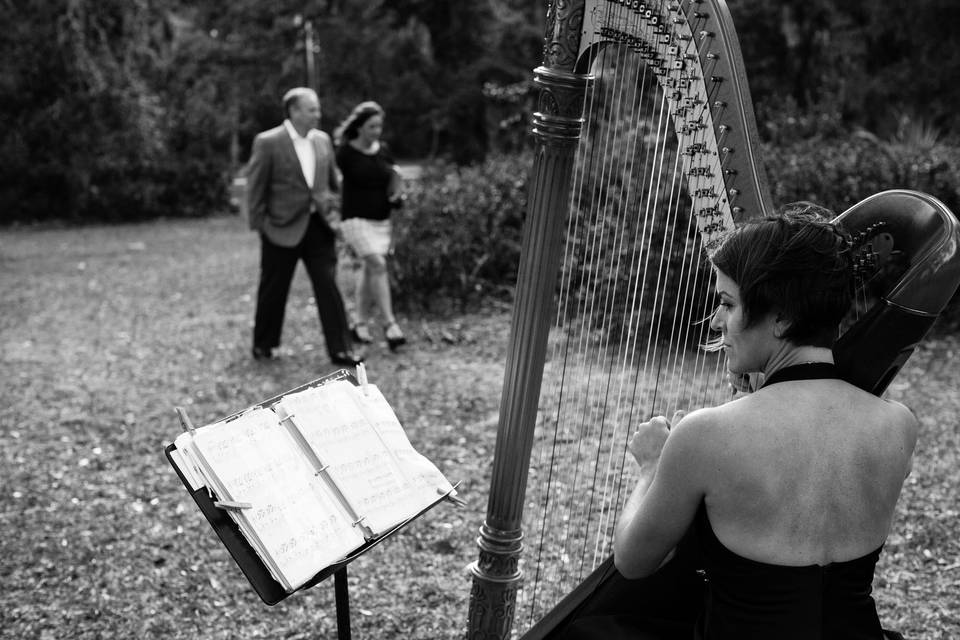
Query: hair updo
x,y
348,129
796,264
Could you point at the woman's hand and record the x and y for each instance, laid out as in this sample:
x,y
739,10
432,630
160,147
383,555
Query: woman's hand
x,y
647,443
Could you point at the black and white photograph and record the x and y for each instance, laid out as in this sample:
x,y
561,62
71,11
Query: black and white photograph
x,y
479,319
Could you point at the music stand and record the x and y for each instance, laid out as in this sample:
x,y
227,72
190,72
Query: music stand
x,y
270,591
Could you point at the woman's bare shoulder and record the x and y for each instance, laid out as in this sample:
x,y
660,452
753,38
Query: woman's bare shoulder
x,y
723,415
707,426
904,420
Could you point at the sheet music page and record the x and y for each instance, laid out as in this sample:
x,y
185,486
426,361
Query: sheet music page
x,y
424,479
296,526
186,465
366,470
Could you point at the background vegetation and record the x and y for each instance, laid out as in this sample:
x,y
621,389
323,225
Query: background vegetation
x,y
130,109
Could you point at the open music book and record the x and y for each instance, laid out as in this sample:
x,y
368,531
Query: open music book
x,y
312,477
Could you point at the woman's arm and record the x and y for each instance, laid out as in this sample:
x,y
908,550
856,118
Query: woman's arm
x,y
395,186
662,506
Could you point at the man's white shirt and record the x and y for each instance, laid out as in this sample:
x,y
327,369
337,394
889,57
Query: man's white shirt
x,y
305,151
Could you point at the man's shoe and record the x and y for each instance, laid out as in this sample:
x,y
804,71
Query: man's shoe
x,y
263,353
346,359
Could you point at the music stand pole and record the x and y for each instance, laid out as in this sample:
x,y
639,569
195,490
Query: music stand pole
x,y
343,603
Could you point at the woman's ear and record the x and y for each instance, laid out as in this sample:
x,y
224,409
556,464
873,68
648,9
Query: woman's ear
x,y
780,325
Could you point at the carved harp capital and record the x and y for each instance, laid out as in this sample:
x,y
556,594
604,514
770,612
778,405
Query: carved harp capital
x,y
559,114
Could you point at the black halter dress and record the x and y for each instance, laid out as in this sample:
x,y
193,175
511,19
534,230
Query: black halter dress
x,y
747,599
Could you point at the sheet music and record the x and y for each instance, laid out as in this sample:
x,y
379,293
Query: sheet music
x,y
372,466
294,523
421,474
188,468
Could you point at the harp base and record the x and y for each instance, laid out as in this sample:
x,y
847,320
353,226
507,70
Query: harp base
x,y
496,581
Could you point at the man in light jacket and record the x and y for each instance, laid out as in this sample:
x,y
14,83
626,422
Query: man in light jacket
x,y
291,184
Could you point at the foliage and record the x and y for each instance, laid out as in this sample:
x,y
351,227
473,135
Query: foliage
x,y
840,169
458,236
87,129
126,110
865,60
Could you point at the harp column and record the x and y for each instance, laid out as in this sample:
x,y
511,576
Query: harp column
x,y
556,124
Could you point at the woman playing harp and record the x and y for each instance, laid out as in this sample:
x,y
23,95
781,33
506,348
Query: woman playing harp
x,y
788,492
646,153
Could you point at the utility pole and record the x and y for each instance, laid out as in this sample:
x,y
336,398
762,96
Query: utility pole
x,y
308,50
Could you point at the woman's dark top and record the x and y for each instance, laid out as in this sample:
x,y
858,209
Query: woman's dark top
x,y
754,600
366,178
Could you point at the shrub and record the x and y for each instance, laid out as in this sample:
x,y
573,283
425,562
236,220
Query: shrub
x,y
839,171
458,236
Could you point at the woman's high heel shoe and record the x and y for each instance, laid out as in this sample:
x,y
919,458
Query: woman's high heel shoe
x,y
394,336
360,333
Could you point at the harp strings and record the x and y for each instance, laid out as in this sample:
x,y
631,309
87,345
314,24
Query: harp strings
x,y
625,344
568,447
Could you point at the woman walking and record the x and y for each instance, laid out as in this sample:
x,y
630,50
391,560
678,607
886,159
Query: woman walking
x,y
371,190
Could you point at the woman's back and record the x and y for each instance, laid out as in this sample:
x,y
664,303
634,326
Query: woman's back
x,y
808,472
802,496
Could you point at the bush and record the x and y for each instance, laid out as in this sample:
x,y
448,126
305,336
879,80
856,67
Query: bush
x,y
840,171
458,236
458,244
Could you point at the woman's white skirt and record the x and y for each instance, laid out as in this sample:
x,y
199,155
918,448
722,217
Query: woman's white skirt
x,y
367,237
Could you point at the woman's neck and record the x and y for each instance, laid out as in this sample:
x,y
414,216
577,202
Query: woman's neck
x,y
793,355
365,146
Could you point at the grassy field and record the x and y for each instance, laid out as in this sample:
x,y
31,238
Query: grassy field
x,y
103,330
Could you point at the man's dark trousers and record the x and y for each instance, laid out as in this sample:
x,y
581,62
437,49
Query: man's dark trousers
x,y
317,249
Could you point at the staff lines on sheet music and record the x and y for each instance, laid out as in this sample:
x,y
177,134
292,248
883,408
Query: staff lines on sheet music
x,y
374,424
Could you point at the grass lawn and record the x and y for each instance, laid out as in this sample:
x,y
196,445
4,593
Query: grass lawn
x,y
103,330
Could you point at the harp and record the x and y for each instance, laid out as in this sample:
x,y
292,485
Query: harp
x,y
646,150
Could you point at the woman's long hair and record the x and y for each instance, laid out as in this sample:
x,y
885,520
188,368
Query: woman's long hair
x,y
349,127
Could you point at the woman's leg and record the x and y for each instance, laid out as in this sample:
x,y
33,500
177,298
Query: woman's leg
x,y
362,295
376,283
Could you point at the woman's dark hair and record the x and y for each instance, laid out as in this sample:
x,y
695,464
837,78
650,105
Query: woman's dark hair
x,y
360,114
795,264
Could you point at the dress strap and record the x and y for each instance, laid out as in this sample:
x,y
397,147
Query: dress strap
x,y
805,371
